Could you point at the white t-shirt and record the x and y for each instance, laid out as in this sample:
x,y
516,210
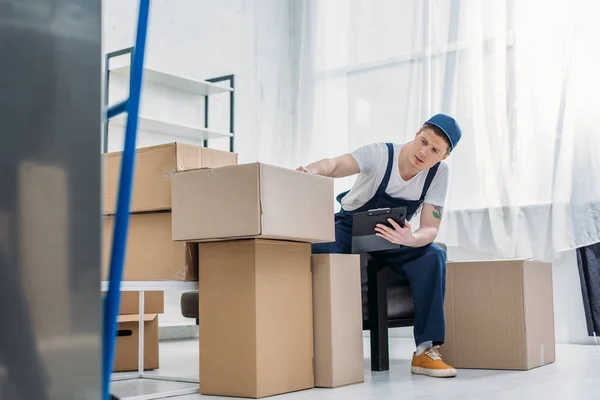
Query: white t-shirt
x,y
372,160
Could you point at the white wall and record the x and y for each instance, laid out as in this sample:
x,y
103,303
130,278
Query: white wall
x,y
257,41
254,40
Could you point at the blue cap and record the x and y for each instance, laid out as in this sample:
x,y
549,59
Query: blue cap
x,y
449,126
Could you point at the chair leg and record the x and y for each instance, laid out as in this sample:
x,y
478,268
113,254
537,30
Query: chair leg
x,y
378,316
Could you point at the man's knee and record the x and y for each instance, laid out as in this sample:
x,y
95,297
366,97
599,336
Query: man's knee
x,y
436,251
435,258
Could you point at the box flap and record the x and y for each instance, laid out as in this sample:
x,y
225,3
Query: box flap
x,y
154,165
217,158
135,318
194,157
296,204
188,157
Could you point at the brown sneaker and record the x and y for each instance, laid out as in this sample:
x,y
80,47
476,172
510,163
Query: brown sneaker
x,y
430,363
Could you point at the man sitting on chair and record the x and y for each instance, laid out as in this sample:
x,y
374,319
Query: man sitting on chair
x,y
410,175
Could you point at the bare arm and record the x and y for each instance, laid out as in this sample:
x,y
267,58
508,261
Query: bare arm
x,y
431,217
338,167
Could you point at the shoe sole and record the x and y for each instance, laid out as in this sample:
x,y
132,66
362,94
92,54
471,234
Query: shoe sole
x,y
436,373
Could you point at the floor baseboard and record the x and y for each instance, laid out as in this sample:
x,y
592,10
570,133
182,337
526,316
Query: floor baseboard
x,y
177,332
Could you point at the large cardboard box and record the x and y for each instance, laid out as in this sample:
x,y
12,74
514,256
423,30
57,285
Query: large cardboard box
x,y
154,303
252,200
499,315
151,254
337,308
153,168
126,346
256,324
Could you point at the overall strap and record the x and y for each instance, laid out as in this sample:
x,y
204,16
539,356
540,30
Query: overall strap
x,y
430,176
388,171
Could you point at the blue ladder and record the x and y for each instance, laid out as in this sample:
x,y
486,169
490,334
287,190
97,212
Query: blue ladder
x,y
131,107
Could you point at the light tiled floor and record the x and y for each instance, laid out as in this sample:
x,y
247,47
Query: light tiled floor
x,y
575,375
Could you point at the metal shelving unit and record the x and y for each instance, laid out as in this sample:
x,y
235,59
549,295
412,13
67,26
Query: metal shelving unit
x,y
202,134
179,130
204,88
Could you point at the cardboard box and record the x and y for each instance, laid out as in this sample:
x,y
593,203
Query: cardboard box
x,y
256,323
151,254
126,346
252,201
499,315
154,303
337,308
152,176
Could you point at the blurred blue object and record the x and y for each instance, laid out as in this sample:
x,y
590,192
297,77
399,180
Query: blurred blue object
x,y
131,107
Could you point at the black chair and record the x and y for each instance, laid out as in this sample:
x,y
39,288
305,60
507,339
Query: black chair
x,y
387,302
190,303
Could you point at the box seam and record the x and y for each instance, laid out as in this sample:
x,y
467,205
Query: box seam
x,y
524,295
255,355
260,199
452,276
330,327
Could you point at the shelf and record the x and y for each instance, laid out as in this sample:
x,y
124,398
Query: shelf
x,y
202,88
169,128
135,286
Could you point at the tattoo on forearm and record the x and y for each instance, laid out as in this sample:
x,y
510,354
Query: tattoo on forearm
x,y
437,212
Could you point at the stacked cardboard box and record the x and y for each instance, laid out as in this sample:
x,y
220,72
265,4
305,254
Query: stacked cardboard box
x,y
255,224
151,253
126,346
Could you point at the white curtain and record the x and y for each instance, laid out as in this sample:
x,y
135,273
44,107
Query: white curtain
x,y
522,79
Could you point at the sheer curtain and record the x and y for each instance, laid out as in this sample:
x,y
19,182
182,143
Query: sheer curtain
x,y
521,79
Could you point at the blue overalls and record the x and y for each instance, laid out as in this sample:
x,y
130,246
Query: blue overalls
x,y
424,267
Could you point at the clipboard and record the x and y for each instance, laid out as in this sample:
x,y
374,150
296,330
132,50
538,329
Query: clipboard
x,y
364,238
